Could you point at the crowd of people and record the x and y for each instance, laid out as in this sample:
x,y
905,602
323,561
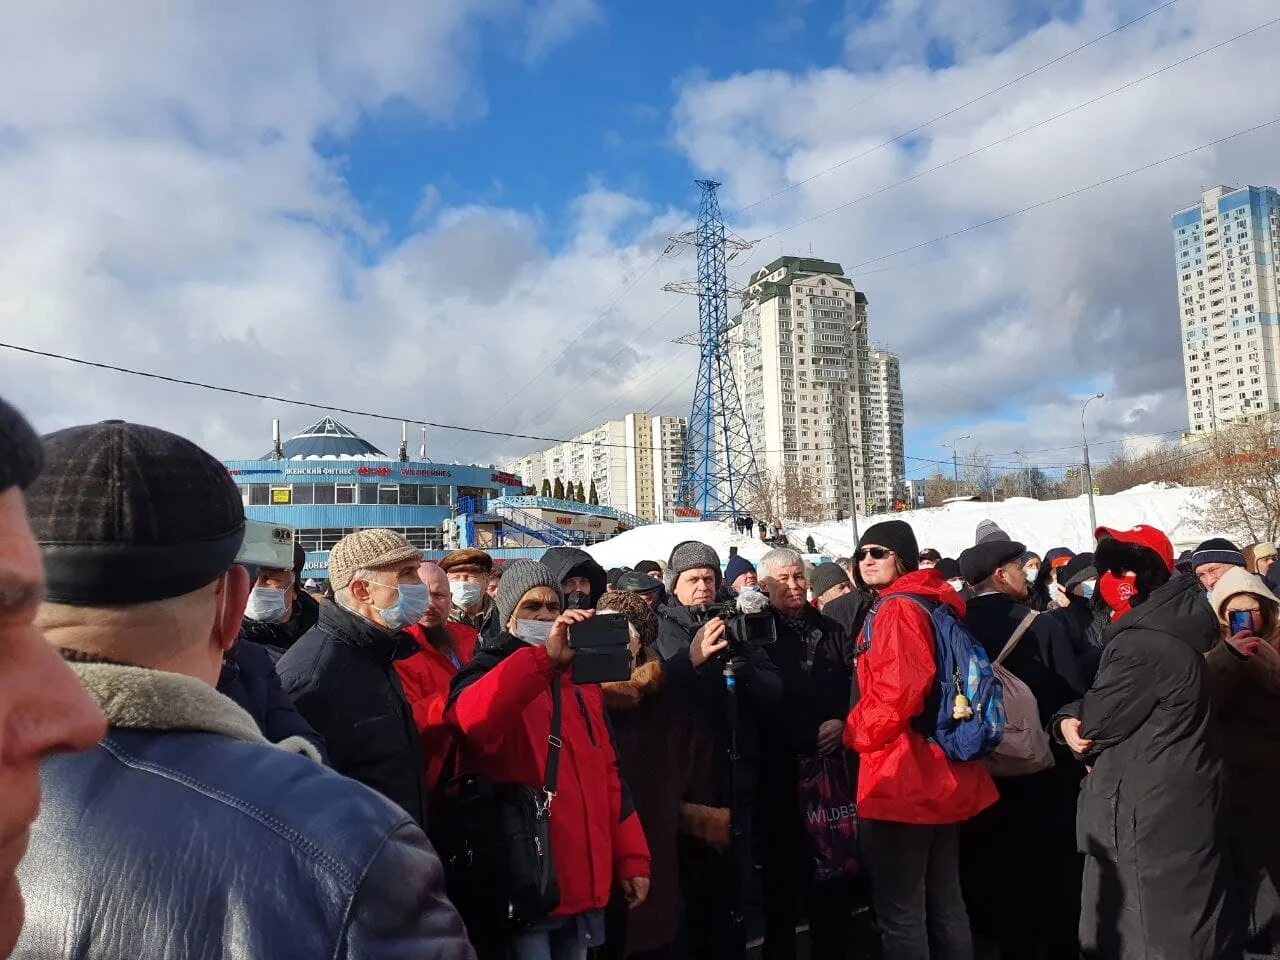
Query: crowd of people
x,y
200,758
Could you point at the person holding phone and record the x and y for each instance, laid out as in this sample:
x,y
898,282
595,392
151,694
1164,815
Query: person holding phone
x,y
501,704
1244,678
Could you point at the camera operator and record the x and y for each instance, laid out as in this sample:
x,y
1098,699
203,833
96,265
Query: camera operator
x,y
696,651
814,656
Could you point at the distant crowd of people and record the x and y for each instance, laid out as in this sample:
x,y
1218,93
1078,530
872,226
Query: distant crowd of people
x,y
1003,754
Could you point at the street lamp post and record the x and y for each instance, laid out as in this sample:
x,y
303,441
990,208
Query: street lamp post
x,y
1088,472
955,464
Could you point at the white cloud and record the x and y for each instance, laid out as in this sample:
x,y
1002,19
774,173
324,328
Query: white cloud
x,y
551,22
1013,315
163,204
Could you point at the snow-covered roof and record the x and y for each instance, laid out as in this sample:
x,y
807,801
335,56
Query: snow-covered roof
x,y
328,439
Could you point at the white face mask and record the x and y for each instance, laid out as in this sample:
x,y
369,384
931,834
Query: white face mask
x,y
466,593
1087,588
1033,574
957,585
534,632
266,605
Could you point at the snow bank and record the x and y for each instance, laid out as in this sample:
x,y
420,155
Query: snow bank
x,y
1039,524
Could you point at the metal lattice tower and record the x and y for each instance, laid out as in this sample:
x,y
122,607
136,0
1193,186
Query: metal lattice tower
x,y
718,466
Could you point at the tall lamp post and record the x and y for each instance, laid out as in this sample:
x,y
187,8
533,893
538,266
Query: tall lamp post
x,y
955,463
1088,472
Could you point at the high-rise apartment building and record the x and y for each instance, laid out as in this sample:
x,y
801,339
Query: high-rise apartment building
x,y
634,463
821,404
1225,249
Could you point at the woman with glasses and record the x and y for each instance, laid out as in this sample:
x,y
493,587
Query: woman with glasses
x,y
911,797
1244,682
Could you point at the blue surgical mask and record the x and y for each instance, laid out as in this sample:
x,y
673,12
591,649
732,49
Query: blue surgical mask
x,y
266,605
466,593
412,600
1087,588
534,632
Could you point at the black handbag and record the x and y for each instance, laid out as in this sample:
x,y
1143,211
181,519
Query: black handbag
x,y
494,840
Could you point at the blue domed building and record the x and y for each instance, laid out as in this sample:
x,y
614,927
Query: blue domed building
x,y
327,481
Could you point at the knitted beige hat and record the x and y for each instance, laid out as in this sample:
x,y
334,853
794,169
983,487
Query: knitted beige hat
x,y
368,549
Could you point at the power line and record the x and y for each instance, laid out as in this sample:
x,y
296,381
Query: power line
x,y
1018,133
1071,193
956,109
253,395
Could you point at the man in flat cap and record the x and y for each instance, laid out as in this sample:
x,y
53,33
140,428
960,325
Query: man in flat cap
x,y
1033,827
341,674
185,833
469,572
43,709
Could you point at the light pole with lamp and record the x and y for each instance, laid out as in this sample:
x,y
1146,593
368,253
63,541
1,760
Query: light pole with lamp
x,y
1088,472
955,463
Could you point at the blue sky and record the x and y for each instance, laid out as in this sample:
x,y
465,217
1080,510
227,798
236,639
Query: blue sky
x,y
418,209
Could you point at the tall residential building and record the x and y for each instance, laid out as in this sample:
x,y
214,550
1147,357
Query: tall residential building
x,y
634,463
820,402
1226,248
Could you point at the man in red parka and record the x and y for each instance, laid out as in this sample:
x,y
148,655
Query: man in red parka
x,y
501,703
444,648
911,796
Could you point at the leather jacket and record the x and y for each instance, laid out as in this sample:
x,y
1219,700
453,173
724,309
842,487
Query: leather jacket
x,y
185,834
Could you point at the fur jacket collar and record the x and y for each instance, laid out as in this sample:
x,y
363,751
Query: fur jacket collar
x,y
646,680
140,699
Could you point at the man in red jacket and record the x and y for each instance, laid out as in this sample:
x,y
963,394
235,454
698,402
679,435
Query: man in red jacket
x,y
911,796
501,703
444,648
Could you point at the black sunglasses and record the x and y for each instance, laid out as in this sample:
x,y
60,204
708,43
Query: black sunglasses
x,y
875,553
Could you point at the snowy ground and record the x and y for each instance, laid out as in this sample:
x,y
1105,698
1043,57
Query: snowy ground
x,y
1039,524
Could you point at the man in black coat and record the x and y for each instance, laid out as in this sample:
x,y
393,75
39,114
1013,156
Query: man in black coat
x,y
1156,880
271,623
1030,833
814,657
341,675
695,653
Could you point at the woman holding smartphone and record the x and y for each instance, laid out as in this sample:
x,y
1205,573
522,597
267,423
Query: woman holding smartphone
x,y
1244,678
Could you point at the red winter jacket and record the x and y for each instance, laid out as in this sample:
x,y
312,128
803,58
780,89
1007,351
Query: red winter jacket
x,y
425,677
501,703
903,776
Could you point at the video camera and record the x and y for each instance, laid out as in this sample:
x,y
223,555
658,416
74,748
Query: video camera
x,y
748,621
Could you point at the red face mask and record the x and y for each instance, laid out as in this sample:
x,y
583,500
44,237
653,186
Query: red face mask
x,y
1117,592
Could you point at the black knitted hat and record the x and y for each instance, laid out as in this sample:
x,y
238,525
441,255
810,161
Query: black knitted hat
x,y
898,536
127,514
826,576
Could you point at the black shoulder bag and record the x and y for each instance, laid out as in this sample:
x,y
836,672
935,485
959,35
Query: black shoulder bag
x,y
494,840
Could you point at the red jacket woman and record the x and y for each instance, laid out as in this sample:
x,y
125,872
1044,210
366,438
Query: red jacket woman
x,y
911,797
501,703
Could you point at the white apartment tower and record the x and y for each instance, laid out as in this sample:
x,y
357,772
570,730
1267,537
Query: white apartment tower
x,y
818,399
1225,249
634,463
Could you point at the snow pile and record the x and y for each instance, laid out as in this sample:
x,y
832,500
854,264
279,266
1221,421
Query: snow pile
x,y
950,529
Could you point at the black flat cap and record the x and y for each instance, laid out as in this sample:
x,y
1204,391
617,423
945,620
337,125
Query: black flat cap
x,y
20,454
985,558
633,581
127,514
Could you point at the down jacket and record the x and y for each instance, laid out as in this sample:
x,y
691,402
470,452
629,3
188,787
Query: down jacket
x,y
501,704
1149,818
904,777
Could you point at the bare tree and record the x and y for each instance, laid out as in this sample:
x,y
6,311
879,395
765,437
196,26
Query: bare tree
x,y
1165,463
1243,465
937,489
790,492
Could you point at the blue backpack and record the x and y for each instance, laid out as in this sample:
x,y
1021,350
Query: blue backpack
x,y
964,713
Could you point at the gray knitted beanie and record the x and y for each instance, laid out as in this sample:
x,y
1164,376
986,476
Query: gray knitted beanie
x,y
518,579
691,555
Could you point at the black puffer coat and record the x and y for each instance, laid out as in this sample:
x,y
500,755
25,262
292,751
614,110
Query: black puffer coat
x,y
341,678
1149,820
249,678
